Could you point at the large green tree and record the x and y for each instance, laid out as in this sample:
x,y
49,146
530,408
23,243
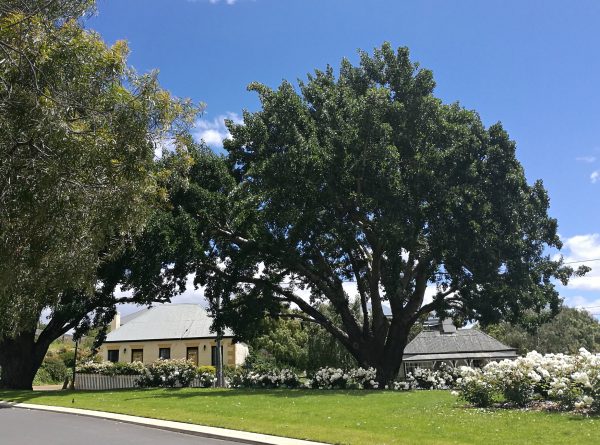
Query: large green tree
x,y
78,134
367,177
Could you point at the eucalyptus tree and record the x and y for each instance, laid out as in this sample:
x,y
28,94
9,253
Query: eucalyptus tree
x,y
365,177
78,134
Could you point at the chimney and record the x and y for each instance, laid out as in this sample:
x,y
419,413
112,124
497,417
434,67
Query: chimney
x,y
115,323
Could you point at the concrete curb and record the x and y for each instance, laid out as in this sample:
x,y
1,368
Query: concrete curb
x,y
180,427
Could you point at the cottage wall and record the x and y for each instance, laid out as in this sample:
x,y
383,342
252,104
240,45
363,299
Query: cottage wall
x,y
233,353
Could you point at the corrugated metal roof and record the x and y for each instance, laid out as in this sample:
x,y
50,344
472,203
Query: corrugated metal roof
x,y
463,340
169,321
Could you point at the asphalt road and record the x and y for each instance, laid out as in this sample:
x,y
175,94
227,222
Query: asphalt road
x,y
20,426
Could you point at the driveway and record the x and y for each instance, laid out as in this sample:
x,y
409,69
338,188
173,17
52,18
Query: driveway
x,y
29,427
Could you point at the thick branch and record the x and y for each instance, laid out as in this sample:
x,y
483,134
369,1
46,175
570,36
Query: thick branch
x,y
292,298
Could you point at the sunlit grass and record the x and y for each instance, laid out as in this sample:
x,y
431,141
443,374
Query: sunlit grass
x,y
340,417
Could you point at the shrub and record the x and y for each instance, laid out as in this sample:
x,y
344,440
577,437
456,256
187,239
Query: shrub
x,y
109,368
206,379
67,356
335,378
284,378
168,373
361,378
330,378
421,378
207,369
474,389
572,381
42,378
55,368
122,368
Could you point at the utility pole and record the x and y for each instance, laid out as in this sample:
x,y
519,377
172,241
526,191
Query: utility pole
x,y
74,365
219,358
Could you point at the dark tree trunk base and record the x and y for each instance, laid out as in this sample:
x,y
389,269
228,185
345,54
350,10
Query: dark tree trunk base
x,y
20,358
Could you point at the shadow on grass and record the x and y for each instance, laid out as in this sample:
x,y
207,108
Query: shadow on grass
x,y
188,393
182,393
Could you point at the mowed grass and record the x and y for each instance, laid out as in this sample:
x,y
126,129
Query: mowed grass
x,y
337,417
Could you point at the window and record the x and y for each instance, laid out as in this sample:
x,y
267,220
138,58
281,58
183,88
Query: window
x,y
192,354
213,356
113,355
137,355
411,366
479,363
164,353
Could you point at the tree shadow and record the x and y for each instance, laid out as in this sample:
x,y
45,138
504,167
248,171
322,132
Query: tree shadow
x,y
186,393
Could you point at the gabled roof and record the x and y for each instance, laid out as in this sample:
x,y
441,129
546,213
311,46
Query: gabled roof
x,y
460,341
165,322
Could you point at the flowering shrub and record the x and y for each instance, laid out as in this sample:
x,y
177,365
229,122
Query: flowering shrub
x,y
473,388
109,368
571,381
330,378
361,378
168,373
334,378
420,378
206,379
284,378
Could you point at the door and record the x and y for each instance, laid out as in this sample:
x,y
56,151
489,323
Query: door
x,y
192,354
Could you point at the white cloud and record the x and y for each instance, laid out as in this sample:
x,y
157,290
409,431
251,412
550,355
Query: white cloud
x,y
579,249
214,131
595,176
586,159
580,302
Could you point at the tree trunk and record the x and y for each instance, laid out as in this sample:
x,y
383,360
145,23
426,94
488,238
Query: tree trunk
x,y
388,371
20,358
384,354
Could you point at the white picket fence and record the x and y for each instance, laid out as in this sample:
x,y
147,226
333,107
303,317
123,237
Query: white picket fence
x,y
99,381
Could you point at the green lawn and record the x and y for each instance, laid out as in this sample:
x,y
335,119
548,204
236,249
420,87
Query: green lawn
x,y
344,417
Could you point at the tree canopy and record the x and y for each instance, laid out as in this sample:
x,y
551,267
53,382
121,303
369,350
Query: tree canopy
x,y
568,331
78,131
78,134
366,177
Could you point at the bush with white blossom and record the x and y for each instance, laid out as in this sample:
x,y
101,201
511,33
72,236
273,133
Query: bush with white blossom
x,y
284,378
570,381
335,378
423,378
168,373
110,368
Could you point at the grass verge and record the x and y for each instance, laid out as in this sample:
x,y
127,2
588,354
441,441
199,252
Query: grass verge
x,y
338,417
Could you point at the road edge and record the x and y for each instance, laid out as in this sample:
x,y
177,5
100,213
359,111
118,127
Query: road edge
x,y
170,425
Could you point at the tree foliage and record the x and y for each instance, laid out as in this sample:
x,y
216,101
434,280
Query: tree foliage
x,y
287,342
367,177
78,134
78,131
570,330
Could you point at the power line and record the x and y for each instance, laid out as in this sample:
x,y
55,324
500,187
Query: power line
x,y
582,261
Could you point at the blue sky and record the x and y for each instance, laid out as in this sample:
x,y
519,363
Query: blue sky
x,y
534,66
